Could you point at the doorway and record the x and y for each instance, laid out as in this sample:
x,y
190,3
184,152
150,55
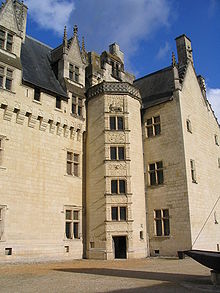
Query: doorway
x,y
120,246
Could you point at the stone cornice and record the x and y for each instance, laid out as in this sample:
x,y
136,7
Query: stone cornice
x,y
113,88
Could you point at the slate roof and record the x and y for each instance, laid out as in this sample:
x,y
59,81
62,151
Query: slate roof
x,y
36,65
156,87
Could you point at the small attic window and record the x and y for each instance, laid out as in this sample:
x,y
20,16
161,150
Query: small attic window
x,y
58,102
37,94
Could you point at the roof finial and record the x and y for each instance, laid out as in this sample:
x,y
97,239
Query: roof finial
x,y
83,44
75,30
64,40
173,59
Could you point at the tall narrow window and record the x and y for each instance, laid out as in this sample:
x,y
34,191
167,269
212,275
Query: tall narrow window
x,y
162,222
71,71
79,106
216,140
74,103
6,77
1,76
9,42
193,171
72,223
155,172
76,74
8,81
2,39
37,94
153,126
219,162
6,40
58,102
72,164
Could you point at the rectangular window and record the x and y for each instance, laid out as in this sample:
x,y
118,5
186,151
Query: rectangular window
x,y
74,103
153,126
162,222
72,164
77,105
116,123
216,140
37,94
118,186
74,72
119,213
6,77
6,41
117,153
193,171
72,223
58,102
155,171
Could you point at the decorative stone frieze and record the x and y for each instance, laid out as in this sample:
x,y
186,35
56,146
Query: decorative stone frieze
x,y
32,119
8,113
113,87
20,116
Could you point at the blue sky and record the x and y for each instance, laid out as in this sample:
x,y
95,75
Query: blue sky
x,y
144,29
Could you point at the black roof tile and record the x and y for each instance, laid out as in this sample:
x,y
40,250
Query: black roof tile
x,y
36,64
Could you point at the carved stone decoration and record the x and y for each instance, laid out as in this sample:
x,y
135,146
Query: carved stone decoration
x,y
43,125
116,169
116,104
113,87
32,119
115,137
8,113
20,117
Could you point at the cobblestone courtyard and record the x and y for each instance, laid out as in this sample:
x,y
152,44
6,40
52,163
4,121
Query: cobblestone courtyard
x,y
146,275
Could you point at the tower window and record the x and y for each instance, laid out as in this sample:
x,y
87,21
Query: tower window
x,y
72,223
155,171
116,123
119,213
117,153
162,222
153,126
118,186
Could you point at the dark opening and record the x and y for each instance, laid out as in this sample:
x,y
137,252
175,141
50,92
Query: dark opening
x,y
8,251
120,246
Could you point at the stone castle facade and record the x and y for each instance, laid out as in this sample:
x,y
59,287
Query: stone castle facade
x,y
96,164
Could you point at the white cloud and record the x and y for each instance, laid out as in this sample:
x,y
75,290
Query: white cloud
x,y
163,51
127,22
50,14
214,99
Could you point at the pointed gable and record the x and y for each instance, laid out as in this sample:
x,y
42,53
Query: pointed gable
x,y
8,17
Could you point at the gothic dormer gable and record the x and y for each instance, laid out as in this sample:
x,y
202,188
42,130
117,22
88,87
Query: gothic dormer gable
x,y
13,17
74,52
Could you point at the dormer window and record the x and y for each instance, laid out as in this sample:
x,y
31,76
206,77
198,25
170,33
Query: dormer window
x,y
6,41
74,72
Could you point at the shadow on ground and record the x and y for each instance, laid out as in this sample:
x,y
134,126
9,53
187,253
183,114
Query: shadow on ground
x,y
158,276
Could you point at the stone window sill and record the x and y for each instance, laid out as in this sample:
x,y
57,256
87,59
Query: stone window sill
x,y
37,102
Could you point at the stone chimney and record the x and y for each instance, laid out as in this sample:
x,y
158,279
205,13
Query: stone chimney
x,y
184,50
115,50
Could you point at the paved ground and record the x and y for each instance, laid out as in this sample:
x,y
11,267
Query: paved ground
x,y
146,275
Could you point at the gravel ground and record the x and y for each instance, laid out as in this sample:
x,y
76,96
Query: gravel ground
x,y
145,275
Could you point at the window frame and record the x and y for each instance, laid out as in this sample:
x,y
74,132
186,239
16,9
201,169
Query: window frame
x,y
73,163
6,77
151,126
162,219
118,187
156,171
6,40
117,153
37,94
58,102
118,213
116,123
74,72
77,105
72,221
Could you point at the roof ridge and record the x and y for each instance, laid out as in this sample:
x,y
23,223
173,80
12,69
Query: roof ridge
x,y
39,42
155,72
